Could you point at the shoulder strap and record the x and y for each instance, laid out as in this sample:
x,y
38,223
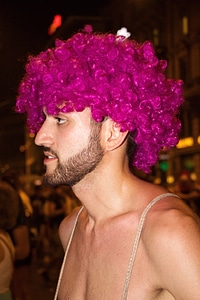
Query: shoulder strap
x,y
66,253
136,241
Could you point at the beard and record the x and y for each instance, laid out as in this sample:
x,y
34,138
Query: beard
x,y
78,166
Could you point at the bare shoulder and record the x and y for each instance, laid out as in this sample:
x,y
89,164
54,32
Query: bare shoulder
x,y
172,239
67,225
173,222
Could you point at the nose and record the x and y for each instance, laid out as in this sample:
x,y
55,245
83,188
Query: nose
x,y
44,136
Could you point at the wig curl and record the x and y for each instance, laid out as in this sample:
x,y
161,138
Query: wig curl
x,y
115,77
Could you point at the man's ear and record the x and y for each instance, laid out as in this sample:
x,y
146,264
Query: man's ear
x,y
113,137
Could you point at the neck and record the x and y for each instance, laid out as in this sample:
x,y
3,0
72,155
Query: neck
x,y
106,195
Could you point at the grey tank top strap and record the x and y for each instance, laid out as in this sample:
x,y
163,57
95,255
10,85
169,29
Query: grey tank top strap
x,y
66,253
136,241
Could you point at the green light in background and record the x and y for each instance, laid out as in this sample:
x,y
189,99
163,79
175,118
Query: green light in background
x,y
164,165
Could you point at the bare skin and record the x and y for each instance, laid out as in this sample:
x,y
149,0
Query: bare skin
x,y
167,264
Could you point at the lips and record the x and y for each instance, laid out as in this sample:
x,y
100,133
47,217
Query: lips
x,y
49,156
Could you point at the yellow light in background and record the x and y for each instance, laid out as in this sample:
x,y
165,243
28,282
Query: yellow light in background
x,y
186,142
185,25
157,180
198,139
170,179
193,176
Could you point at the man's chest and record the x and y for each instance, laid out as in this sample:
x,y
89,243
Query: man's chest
x,y
104,270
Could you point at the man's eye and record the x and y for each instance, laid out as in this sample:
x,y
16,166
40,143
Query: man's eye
x,y
60,120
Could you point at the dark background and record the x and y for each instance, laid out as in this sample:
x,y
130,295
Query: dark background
x,y
24,29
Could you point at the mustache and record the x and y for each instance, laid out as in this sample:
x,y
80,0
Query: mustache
x,y
50,151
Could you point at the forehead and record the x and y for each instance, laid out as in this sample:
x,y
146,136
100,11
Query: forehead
x,y
84,115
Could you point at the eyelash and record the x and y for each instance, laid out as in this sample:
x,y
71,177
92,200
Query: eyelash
x,y
60,121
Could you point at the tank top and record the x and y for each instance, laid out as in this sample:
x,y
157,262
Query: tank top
x,y
134,248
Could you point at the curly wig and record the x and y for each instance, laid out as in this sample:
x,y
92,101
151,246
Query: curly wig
x,y
113,76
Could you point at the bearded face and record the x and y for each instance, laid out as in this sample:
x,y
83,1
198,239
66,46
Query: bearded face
x,y
76,167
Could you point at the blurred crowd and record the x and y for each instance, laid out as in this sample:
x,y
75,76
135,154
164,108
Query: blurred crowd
x,y
32,236
50,207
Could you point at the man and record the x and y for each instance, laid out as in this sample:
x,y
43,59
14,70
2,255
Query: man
x,y
99,104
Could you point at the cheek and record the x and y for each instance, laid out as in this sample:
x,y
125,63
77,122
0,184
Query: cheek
x,y
72,143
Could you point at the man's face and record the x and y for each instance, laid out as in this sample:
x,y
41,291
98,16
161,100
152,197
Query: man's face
x,y
71,145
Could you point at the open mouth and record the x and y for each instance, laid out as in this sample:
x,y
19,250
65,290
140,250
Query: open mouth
x,y
49,156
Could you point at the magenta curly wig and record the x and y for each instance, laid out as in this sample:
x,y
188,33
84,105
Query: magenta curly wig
x,y
115,77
